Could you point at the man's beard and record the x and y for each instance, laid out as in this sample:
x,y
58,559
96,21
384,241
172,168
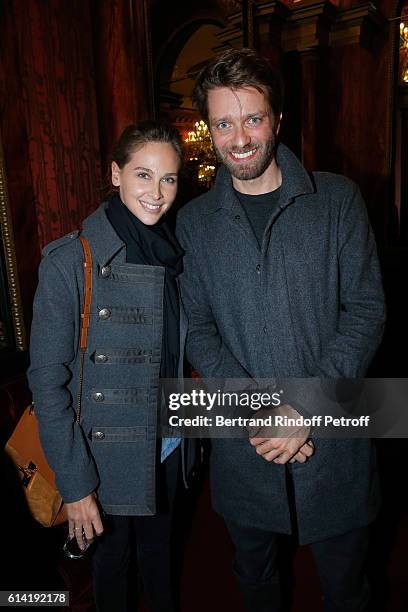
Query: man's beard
x,y
252,169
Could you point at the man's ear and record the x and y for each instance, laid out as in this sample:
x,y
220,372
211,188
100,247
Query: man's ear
x,y
115,174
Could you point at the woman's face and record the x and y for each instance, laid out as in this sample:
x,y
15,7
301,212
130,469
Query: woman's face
x,y
148,182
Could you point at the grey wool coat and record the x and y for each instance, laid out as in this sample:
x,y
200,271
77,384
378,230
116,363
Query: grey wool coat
x,y
114,449
309,303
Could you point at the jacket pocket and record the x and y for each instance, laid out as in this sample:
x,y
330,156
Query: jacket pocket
x,y
133,273
119,396
104,434
142,315
121,357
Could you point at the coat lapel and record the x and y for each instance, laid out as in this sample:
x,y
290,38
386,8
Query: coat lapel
x,y
103,240
225,201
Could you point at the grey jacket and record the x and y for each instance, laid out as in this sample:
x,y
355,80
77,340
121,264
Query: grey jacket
x,y
308,304
114,449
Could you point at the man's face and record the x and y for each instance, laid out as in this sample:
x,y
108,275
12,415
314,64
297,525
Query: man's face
x,y
243,130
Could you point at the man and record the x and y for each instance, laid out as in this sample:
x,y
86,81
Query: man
x,y
281,279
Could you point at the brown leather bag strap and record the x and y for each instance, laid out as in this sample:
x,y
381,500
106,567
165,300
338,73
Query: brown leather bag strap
x,y
85,319
86,315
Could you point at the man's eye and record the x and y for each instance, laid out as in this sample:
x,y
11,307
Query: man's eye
x,y
254,120
223,125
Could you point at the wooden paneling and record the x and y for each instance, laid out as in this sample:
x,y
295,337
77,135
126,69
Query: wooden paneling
x,y
357,124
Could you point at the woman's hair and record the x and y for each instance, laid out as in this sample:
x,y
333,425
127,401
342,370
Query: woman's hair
x,y
235,69
137,134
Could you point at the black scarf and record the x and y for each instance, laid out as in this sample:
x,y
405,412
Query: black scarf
x,y
154,245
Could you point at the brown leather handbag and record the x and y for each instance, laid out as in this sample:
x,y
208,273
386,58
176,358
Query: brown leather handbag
x,y
24,447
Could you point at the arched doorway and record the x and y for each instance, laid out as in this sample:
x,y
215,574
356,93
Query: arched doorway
x,y
187,52
178,69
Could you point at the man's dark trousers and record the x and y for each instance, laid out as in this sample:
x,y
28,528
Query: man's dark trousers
x,y
340,563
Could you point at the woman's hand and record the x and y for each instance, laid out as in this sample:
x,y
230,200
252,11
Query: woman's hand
x,y
84,519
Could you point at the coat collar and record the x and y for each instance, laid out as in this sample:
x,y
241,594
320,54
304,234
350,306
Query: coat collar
x,y
295,182
103,240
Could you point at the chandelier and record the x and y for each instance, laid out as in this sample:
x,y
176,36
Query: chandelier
x,y
404,51
199,148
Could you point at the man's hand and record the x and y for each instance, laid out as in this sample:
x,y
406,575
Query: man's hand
x,y
304,453
282,444
282,450
84,519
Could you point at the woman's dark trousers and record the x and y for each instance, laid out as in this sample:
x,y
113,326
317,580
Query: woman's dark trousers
x,y
149,537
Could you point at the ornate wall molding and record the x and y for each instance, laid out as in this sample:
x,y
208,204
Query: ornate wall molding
x,y
10,260
358,24
308,23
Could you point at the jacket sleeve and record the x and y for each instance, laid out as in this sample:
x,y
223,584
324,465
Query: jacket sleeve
x,y
205,348
362,305
52,349
350,350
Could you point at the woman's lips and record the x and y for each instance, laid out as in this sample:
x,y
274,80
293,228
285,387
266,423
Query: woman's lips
x,y
151,208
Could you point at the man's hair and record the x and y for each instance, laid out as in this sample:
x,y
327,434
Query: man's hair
x,y
238,68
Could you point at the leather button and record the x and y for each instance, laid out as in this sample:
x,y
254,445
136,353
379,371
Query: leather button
x,y
104,314
101,358
99,435
106,271
98,396
258,269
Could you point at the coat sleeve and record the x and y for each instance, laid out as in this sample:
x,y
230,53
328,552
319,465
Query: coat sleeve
x,y
361,319
362,305
205,348
52,349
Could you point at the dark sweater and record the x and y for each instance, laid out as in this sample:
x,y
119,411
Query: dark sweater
x,y
258,209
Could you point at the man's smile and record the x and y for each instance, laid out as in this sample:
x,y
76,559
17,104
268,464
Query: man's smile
x,y
245,156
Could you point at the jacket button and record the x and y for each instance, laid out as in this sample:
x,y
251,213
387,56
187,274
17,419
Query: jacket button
x,y
101,358
258,269
105,313
265,330
98,396
237,217
106,271
99,435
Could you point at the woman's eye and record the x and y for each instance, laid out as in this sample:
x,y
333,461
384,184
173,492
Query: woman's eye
x,y
143,175
170,180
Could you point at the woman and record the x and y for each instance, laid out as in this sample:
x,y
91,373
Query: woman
x,y
113,460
